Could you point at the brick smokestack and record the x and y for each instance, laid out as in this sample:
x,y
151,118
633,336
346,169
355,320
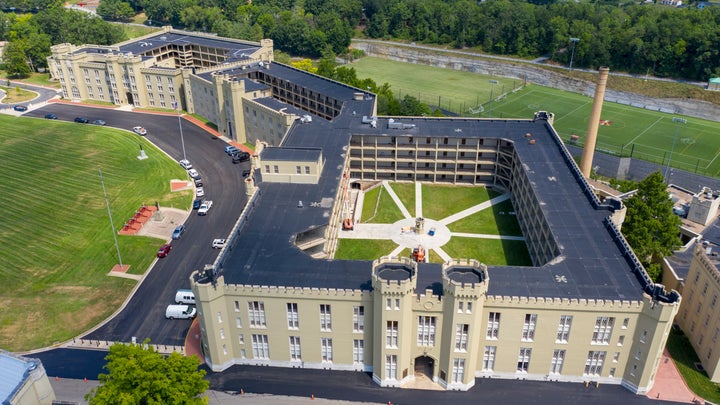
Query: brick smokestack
x,y
591,138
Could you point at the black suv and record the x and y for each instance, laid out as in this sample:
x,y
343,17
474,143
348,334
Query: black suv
x,y
82,120
240,157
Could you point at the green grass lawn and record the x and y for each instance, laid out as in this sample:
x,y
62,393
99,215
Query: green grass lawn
x,y
363,249
39,79
453,90
489,251
644,133
685,358
439,201
406,194
387,211
495,220
16,95
56,242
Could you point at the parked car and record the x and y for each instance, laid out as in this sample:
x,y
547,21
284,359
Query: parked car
x,y
240,157
50,116
164,250
199,192
205,207
193,173
231,150
198,182
179,230
186,164
98,122
180,312
246,173
82,120
197,203
218,243
20,107
140,131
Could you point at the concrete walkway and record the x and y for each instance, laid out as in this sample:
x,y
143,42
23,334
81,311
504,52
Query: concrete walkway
x,y
669,384
418,200
472,210
395,198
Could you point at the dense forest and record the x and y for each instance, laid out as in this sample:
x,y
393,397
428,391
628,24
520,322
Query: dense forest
x,y
639,38
30,35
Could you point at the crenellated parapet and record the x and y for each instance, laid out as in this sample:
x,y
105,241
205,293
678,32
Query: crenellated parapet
x,y
394,275
467,279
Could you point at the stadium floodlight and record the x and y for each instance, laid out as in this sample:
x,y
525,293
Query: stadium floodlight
x,y
572,53
677,121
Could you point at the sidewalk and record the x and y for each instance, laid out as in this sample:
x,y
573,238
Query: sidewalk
x,y
669,384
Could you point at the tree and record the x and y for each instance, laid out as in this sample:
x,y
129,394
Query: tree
x,y
137,374
651,228
15,59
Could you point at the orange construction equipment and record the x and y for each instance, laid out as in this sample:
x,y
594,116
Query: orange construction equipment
x,y
419,254
348,224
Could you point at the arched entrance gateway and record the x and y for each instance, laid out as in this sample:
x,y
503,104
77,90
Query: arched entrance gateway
x,y
424,368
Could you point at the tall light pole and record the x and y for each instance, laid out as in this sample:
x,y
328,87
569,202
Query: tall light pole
x,y
677,121
117,247
176,106
572,53
492,87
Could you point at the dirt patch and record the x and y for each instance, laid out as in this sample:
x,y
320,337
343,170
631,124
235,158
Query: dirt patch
x,y
177,185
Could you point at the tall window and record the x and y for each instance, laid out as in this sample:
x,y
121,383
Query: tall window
x,y
391,367
489,358
295,348
528,333
261,349
358,319
426,331
458,371
391,334
557,361
524,359
292,315
461,337
256,314
594,363
563,332
358,351
325,318
493,326
603,330
326,349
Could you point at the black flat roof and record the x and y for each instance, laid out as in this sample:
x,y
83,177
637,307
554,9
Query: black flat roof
x,y
592,263
236,49
291,154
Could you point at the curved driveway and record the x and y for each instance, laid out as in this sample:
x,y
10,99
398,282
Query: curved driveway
x,y
144,315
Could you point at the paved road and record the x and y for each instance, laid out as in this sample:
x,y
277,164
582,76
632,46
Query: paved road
x,y
356,386
144,315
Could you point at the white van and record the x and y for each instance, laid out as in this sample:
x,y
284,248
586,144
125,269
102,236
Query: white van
x,y
185,297
180,312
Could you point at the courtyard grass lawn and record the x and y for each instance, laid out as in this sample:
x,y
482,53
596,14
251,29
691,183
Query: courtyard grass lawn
x,y
440,201
56,242
685,358
489,251
496,220
387,211
406,194
363,249
645,133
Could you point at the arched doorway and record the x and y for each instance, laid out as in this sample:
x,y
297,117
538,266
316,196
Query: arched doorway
x,y
130,99
424,367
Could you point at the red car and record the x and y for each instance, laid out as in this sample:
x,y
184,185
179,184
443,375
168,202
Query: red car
x,y
164,250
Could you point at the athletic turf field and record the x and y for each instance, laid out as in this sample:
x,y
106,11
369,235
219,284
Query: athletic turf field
x,y
624,130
